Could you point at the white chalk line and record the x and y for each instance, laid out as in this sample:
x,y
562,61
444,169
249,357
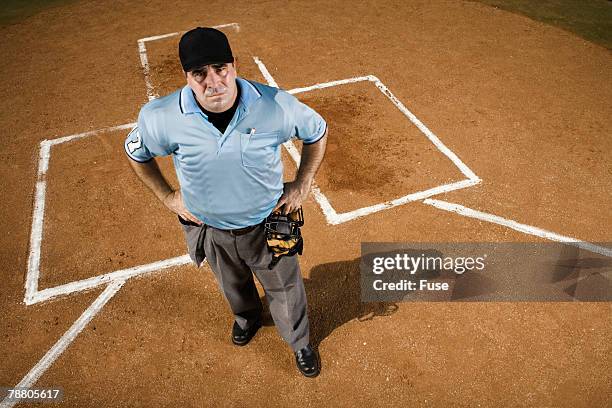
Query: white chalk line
x,y
419,195
236,26
43,158
58,348
65,139
38,212
144,62
324,85
93,282
144,58
430,135
264,71
31,283
32,294
524,228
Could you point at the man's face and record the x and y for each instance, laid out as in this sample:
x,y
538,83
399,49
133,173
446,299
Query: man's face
x,y
214,86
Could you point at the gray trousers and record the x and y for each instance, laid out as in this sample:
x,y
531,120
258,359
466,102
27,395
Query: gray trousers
x,y
233,259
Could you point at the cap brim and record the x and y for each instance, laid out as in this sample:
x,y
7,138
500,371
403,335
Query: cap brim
x,y
202,61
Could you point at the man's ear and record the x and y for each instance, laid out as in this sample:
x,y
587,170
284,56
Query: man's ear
x,y
235,63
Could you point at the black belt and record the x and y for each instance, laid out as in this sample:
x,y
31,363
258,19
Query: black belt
x,y
235,232
242,231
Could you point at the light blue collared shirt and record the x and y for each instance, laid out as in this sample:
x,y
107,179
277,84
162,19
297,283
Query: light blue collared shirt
x,y
233,179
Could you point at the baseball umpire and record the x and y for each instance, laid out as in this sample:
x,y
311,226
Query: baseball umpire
x,y
225,134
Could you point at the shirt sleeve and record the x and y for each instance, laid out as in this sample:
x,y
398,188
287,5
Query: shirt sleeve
x,y
309,126
142,145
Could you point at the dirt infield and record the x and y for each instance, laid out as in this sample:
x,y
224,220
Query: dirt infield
x,y
526,106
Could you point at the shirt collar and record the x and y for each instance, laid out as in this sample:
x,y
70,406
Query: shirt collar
x,y
248,95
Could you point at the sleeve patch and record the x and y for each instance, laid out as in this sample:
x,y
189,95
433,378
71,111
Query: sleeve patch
x,y
135,144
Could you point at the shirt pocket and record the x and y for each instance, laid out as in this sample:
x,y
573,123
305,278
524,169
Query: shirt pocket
x,y
258,149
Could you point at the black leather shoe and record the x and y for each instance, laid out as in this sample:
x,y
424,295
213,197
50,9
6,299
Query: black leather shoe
x,y
307,361
242,337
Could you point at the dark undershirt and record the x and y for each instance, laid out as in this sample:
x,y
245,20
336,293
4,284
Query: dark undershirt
x,y
220,120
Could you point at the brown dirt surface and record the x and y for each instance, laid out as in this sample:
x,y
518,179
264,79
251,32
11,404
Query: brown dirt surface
x,y
526,106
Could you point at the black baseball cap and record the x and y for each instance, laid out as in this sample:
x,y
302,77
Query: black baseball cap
x,y
204,46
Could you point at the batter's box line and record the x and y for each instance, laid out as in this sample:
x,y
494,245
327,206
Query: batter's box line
x,y
144,59
62,344
32,294
335,218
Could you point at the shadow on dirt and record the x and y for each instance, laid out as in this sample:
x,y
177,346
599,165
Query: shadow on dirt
x,y
333,292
